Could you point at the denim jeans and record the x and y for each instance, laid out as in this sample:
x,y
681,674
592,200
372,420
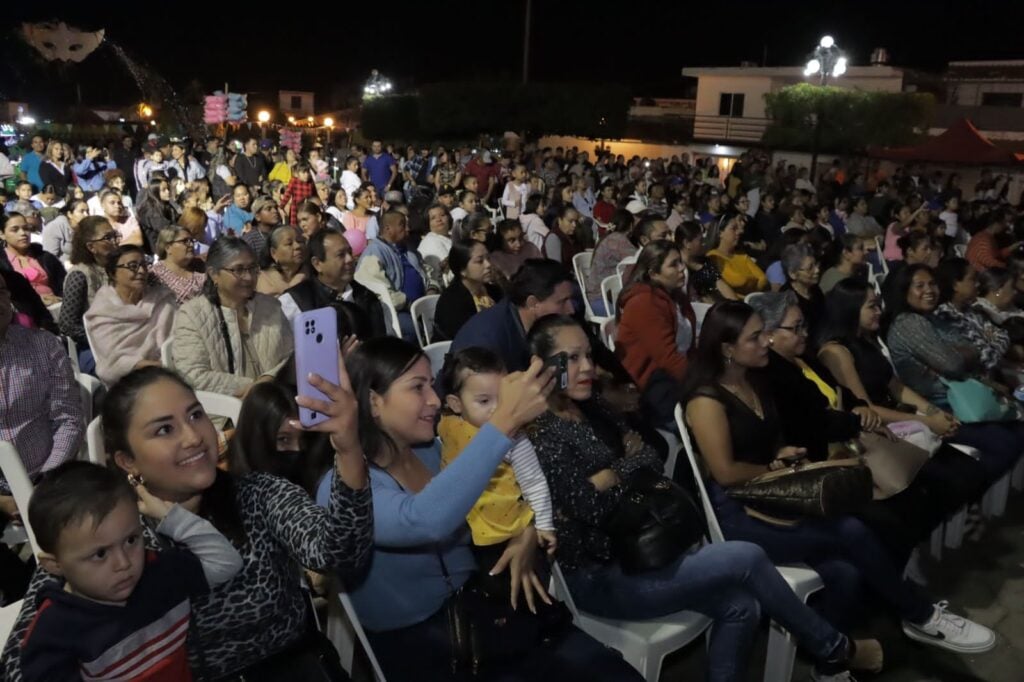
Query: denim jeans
x,y
422,652
814,541
1001,444
731,582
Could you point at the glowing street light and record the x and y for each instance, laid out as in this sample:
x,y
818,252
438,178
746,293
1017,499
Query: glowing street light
x,y
263,116
376,86
826,61
145,110
291,119
329,122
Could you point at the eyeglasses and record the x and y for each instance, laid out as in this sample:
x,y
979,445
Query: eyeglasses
x,y
798,329
111,237
187,241
134,266
243,271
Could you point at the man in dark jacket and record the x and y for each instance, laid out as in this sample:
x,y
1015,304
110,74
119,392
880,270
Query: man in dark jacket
x,y
329,258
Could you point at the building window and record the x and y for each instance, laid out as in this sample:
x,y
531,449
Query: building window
x,y
1001,99
296,101
731,104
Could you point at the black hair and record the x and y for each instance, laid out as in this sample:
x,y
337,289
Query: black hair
x,y
474,360
254,447
373,367
912,241
537,277
88,230
218,503
841,322
723,324
460,255
75,491
541,341
895,294
222,250
533,203
315,248
949,272
111,265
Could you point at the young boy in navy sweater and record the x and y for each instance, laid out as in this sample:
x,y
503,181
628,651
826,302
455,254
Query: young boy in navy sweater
x,y
122,612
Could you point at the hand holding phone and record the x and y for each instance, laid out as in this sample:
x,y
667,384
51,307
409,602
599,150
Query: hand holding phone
x,y
316,352
560,363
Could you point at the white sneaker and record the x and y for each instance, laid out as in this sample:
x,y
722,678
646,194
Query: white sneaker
x,y
950,631
844,676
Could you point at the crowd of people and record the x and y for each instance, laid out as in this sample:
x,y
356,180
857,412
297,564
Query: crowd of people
x,y
793,319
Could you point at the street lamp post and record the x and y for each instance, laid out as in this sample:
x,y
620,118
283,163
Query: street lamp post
x,y
827,60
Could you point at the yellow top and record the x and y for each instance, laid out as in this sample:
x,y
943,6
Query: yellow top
x,y
281,172
483,302
501,512
739,271
826,390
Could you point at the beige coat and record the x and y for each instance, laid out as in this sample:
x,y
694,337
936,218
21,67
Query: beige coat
x,y
199,352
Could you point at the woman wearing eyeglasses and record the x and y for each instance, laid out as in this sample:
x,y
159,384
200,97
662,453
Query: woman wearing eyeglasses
x,y
231,336
176,248
130,318
92,242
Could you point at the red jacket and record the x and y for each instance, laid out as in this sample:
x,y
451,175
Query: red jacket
x,y
645,339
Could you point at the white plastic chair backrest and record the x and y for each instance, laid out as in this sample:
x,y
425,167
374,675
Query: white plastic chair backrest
x,y
562,590
871,269
880,251
436,353
73,355
350,611
422,312
709,511
625,264
750,298
166,359
220,405
94,442
54,309
608,333
88,338
21,486
700,311
581,263
391,317
88,387
611,286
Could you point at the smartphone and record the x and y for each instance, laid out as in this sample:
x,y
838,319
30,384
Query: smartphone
x,y
560,361
316,352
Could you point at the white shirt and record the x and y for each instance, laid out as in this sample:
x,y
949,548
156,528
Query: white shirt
x,y
534,230
952,222
350,182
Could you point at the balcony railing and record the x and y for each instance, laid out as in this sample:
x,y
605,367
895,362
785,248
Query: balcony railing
x,y
735,129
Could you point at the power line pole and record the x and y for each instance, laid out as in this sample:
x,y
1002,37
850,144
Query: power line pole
x,y
526,43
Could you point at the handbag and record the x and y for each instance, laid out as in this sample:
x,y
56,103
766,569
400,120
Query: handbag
x,y
972,401
820,489
654,523
484,631
893,464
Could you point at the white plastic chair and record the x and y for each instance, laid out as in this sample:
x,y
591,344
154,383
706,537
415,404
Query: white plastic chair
x,y
611,286
608,333
73,355
750,298
422,312
700,311
88,338
643,643
436,353
802,580
54,309
624,264
94,442
581,263
880,251
89,390
391,317
21,486
8,617
341,624
166,358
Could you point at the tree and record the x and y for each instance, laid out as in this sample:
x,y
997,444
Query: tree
x,y
851,120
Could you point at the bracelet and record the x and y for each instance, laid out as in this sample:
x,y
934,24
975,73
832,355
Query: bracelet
x,y
930,410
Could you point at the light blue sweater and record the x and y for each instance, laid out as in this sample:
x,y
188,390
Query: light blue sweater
x,y
404,584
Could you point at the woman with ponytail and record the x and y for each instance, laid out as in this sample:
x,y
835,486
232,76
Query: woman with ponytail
x,y
231,336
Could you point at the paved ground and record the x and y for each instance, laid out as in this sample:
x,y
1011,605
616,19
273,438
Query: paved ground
x,y
983,579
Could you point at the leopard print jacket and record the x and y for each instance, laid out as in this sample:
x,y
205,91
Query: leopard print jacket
x,y
261,610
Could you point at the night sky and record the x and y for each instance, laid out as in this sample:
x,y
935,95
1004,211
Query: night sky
x,y
644,44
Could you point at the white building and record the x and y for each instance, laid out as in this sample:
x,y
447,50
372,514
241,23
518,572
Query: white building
x,y
731,100
991,94
297,103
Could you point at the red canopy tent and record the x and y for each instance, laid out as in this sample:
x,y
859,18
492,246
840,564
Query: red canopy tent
x,y
961,144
